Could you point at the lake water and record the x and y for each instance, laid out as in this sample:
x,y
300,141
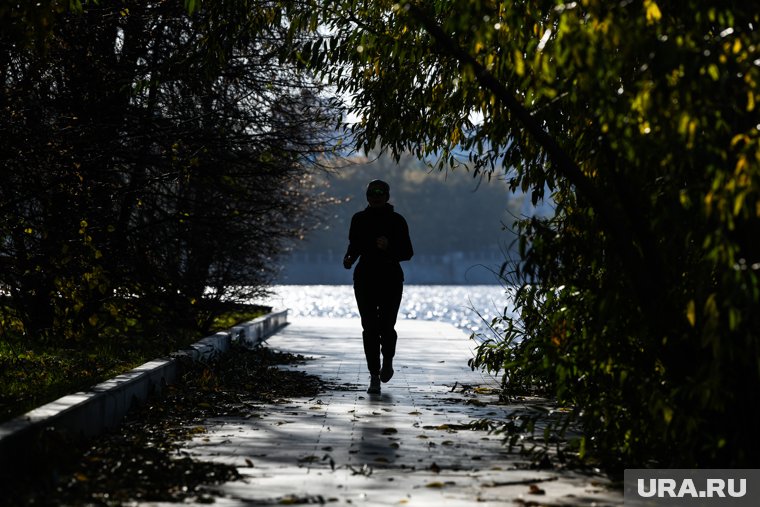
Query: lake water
x,y
469,307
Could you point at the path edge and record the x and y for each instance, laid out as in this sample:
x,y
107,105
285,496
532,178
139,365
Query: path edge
x,y
86,414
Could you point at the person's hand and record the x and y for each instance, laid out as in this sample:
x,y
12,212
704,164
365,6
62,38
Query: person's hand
x,y
382,243
347,262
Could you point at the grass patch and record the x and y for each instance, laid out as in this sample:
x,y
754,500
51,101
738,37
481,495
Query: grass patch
x,y
33,377
33,374
235,316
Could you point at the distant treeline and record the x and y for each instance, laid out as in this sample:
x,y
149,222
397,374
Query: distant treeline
x,y
446,212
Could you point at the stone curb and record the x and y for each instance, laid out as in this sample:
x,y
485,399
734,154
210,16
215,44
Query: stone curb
x,y
102,407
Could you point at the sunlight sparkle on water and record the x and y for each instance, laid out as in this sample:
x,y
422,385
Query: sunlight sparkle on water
x,y
469,307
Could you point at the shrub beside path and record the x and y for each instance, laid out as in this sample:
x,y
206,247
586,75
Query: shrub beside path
x,y
411,445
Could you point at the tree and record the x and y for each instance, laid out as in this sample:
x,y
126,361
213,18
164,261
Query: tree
x,y
639,118
154,164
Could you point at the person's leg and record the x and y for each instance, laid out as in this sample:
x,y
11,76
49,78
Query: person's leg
x,y
367,302
387,315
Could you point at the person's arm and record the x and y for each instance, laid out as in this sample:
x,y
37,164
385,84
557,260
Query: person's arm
x,y
401,249
352,252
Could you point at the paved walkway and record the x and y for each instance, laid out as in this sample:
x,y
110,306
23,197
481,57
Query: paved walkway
x,y
404,447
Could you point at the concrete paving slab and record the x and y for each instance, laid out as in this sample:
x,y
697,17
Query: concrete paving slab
x,y
407,446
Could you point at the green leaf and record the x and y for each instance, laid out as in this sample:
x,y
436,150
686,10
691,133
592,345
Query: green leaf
x,y
192,5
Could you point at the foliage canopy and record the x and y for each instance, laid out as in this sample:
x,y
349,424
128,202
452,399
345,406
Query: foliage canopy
x,y
153,164
640,298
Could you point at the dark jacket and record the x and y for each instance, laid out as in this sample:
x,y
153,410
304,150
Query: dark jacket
x,y
376,265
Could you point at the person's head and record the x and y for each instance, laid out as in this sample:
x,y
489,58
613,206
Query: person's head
x,y
378,193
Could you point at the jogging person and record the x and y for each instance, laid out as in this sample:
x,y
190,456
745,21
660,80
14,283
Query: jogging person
x,y
379,240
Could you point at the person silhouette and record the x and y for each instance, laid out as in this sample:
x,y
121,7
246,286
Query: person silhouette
x,y
379,240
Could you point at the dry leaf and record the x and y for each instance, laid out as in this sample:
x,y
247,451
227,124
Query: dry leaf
x,y
535,490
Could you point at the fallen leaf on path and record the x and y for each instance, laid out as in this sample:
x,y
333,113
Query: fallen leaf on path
x,y
535,490
438,484
365,470
332,461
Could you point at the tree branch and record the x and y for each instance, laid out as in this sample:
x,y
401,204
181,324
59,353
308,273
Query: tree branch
x,y
615,221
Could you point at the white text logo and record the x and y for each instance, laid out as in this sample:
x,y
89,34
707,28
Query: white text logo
x,y
715,488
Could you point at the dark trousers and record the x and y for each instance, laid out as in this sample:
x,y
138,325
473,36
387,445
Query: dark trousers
x,y
378,306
